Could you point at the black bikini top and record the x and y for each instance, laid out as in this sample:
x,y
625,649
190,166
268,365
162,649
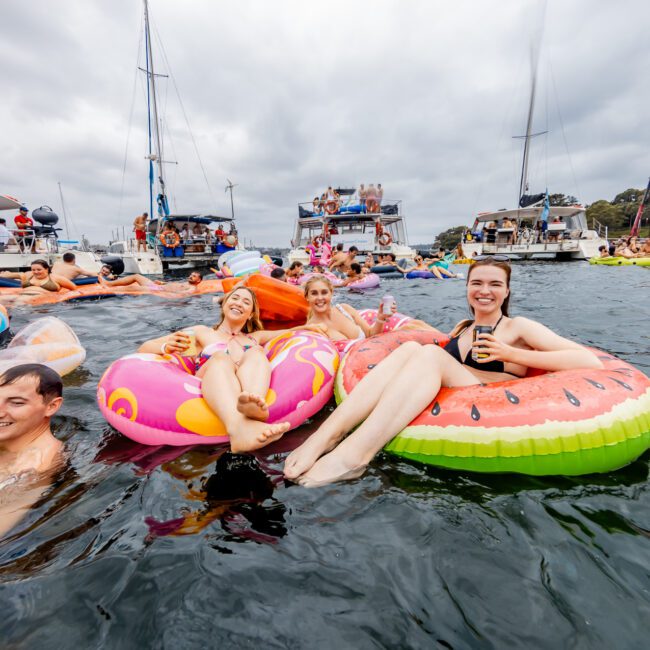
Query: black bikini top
x,y
454,350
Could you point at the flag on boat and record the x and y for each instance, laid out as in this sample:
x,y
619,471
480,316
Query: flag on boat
x,y
547,207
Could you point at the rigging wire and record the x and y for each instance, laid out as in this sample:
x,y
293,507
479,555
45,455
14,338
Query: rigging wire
x,y
566,145
128,131
187,122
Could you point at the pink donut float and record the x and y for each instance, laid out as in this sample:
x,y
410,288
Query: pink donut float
x,y
157,400
395,322
369,281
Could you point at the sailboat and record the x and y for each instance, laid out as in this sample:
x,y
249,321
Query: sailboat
x,y
534,229
173,240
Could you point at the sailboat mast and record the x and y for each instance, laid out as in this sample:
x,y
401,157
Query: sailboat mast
x,y
152,101
523,185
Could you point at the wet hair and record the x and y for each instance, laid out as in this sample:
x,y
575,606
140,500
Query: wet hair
x,y
353,249
392,256
49,384
68,257
602,248
253,324
296,265
488,261
355,267
277,273
42,263
339,246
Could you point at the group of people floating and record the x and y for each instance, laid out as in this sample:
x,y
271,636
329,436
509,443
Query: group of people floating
x,y
628,247
236,374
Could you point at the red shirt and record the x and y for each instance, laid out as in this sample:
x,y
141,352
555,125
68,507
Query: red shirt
x,y
22,221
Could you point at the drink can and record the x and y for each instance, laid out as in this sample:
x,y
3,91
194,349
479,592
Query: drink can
x,y
480,329
387,305
191,350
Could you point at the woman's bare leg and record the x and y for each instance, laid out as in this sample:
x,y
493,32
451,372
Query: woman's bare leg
x,y
254,374
436,271
221,388
356,408
413,388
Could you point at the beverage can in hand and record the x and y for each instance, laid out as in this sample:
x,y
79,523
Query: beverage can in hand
x,y
191,350
387,305
480,329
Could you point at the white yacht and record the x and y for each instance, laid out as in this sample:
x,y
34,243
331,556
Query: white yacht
x,y
40,241
380,232
535,229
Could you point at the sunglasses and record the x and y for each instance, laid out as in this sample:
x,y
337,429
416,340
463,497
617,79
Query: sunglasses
x,y
496,258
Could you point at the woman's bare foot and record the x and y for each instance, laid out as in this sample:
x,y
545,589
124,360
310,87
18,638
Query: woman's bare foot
x,y
329,469
272,432
252,406
250,435
303,458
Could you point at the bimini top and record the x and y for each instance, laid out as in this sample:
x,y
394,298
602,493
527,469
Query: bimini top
x,y
9,202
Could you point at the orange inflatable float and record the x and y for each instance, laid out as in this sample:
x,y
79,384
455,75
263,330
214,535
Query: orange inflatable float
x,y
170,290
279,301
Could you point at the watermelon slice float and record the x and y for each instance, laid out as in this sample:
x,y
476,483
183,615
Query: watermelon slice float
x,y
570,422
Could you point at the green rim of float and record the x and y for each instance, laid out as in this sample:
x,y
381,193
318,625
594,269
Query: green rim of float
x,y
620,261
602,442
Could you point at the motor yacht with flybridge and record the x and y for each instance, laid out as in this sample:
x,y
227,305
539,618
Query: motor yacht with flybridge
x,y
377,228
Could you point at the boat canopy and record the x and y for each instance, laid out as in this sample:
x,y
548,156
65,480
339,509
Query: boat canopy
x,y
9,202
194,218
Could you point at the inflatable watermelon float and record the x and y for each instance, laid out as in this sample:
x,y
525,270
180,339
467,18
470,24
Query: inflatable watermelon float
x,y
569,422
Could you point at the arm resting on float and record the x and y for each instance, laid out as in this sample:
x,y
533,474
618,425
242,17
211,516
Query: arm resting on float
x,y
64,282
550,350
11,274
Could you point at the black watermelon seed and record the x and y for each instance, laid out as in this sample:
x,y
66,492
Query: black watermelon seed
x,y
594,383
622,383
572,398
476,415
371,366
512,398
436,409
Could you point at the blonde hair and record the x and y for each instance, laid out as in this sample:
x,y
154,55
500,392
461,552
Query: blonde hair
x,y
253,324
313,280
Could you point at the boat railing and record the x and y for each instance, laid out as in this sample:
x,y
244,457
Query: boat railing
x,y
600,228
27,240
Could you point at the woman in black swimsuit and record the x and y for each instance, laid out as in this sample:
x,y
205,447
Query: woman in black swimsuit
x,y
407,380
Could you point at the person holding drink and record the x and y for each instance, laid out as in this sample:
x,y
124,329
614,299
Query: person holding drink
x,y
232,364
401,386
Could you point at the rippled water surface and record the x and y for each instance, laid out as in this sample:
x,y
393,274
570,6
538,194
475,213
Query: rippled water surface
x,y
191,548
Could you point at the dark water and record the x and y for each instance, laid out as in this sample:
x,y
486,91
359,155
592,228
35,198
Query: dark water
x,y
188,548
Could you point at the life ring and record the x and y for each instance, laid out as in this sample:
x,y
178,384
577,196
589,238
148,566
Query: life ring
x,y
170,239
332,206
157,400
385,239
568,422
372,206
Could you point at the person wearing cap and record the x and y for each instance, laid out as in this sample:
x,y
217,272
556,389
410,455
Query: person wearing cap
x,y
5,235
23,223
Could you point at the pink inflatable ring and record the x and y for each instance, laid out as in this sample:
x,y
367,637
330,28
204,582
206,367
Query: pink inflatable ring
x,y
157,400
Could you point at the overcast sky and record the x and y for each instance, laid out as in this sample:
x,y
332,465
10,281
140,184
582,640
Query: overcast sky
x,y
285,98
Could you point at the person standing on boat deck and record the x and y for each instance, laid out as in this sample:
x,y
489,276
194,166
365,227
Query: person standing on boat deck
x,y
5,235
140,230
362,197
380,195
23,223
186,233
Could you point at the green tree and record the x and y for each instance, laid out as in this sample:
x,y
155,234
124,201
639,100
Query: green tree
x,y
449,238
562,199
607,214
630,195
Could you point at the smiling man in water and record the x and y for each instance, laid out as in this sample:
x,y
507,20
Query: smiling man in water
x,y
30,394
